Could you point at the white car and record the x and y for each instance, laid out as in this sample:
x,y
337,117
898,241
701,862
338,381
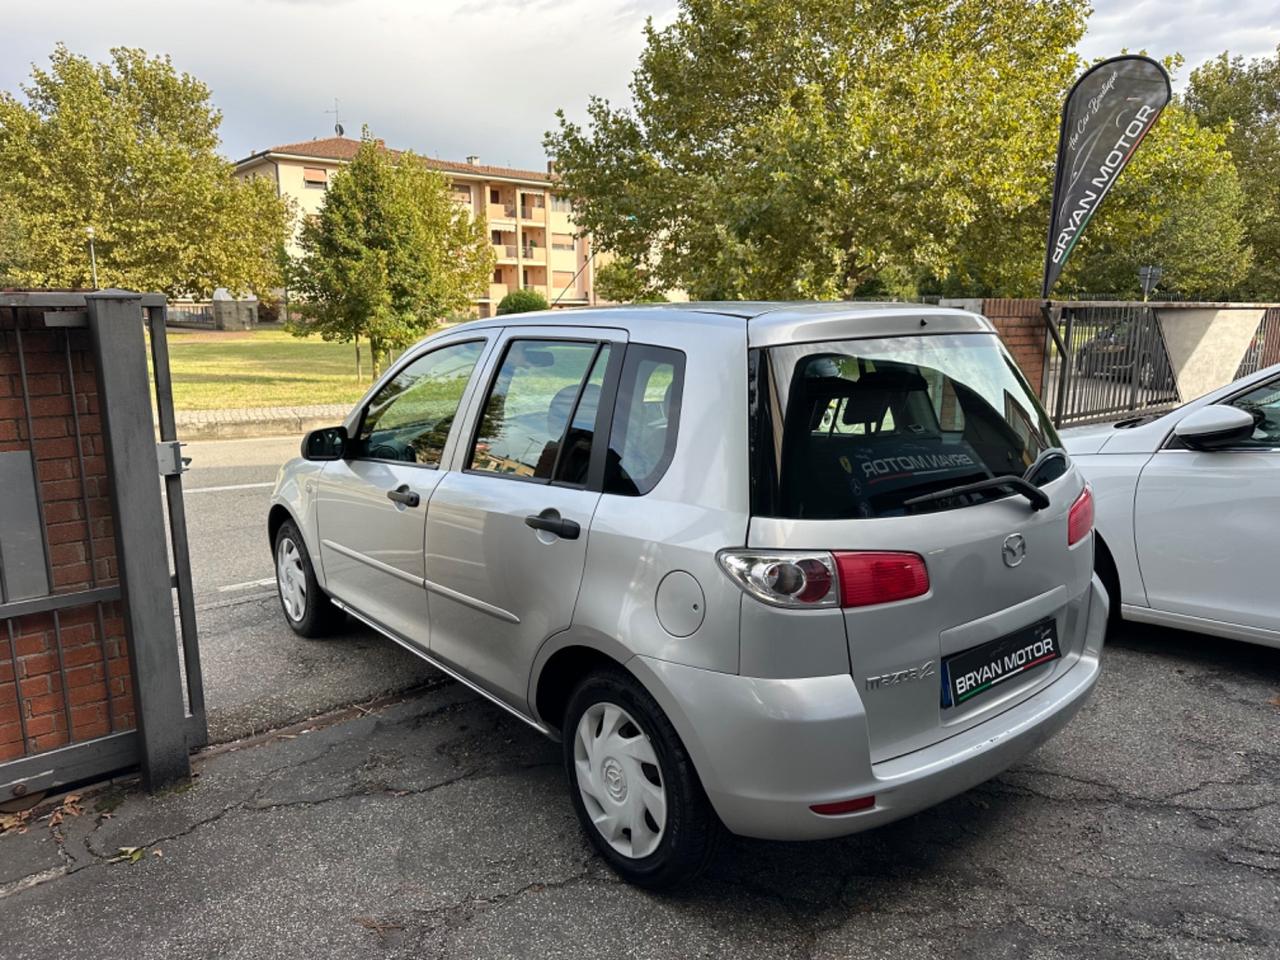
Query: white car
x,y
1187,508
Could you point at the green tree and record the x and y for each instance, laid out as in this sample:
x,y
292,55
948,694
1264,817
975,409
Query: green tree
x,y
522,301
128,147
388,254
1243,100
1178,205
624,281
803,148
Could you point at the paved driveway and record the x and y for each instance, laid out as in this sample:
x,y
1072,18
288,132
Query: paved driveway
x,y
258,675
438,827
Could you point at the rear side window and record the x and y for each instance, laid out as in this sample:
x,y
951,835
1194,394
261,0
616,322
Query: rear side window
x,y
539,417
646,418
861,428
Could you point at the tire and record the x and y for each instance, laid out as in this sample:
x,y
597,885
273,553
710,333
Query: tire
x,y
306,608
619,746
1147,374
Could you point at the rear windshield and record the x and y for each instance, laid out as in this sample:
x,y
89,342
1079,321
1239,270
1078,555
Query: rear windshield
x,y
856,428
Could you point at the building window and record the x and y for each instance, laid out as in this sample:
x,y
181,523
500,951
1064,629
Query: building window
x,y
315,177
494,196
461,192
497,276
562,241
561,204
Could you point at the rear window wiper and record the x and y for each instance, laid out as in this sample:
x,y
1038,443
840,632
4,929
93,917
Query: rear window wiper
x,y
1039,499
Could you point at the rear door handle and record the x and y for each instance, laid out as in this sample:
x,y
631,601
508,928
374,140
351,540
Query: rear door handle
x,y
551,521
402,494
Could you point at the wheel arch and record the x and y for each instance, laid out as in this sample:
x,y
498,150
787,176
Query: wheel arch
x,y
562,662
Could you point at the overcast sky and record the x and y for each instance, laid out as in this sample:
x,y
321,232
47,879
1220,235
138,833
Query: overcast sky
x,y
454,77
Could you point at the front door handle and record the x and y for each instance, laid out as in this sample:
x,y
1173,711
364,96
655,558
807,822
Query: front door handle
x,y
402,494
551,521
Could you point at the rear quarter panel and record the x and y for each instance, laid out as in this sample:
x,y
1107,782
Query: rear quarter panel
x,y
699,507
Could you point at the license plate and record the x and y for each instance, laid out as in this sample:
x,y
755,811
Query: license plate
x,y
976,671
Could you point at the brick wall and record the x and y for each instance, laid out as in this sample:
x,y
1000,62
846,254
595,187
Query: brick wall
x,y
1021,327
85,643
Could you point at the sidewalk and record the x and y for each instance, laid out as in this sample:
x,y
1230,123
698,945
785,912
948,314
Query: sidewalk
x,y
230,424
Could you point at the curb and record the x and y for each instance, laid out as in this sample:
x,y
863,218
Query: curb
x,y
250,429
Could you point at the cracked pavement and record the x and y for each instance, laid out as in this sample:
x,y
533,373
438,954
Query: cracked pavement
x,y
439,827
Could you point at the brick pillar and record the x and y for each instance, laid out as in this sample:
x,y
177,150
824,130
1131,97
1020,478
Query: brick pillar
x,y
1020,324
49,409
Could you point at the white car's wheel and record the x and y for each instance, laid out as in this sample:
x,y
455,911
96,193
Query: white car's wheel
x,y
291,579
633,784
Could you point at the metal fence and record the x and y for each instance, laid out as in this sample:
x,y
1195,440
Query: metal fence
x,y
91,666
1115,363
1264,348
199,315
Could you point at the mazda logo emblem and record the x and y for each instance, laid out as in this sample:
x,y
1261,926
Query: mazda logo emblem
x,y
1014,549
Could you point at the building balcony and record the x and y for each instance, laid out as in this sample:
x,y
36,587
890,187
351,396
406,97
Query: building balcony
x,y
504,251
501,211
498,290
536,254
533,214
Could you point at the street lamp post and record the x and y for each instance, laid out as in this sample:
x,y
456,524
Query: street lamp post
x,y
93,257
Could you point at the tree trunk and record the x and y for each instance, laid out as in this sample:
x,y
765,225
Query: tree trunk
x,y
357,359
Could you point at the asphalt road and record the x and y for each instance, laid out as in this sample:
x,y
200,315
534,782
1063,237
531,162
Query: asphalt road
x,y
259,675
439,827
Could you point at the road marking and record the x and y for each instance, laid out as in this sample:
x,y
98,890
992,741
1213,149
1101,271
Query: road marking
x,y
265,582
231,486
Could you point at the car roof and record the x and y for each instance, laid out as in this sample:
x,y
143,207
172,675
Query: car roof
x,y
769,323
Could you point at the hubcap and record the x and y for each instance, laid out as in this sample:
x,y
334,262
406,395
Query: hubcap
x,y
291,580
620,780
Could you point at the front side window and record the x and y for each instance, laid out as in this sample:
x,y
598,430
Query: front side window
x,y
408,420
542,402
1264,404
646,417
859,428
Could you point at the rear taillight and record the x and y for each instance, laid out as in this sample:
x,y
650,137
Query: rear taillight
x,y
1080,519
871,577
805,579
784,578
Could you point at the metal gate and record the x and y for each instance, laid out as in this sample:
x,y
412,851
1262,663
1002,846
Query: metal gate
x,y
1264,348
1115,363
91,667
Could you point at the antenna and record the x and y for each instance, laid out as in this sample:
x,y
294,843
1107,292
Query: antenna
x,y
337,125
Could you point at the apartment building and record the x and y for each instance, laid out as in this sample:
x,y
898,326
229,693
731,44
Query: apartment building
x,y
530,226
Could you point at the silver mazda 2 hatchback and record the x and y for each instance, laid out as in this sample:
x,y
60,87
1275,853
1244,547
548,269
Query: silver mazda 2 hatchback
x,y
791,570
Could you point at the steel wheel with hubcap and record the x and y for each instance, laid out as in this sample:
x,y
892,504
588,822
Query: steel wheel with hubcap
x,y
620,781
633,784
291,579
306,607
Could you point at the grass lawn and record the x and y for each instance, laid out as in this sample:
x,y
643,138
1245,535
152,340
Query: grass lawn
x,y
261,368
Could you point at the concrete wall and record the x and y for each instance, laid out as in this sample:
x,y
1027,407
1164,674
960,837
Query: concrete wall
x,y
1206,344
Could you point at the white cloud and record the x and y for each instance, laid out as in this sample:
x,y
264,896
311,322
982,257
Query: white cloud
x,y
453,77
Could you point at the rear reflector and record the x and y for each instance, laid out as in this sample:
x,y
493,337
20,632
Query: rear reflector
x,y
843,806
1080,519
872,577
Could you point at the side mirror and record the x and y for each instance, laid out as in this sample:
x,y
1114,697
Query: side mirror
x,y
327,443
1215,426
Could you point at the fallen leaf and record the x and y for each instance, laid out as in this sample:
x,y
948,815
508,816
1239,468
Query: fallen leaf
x,y
130,854
1275,701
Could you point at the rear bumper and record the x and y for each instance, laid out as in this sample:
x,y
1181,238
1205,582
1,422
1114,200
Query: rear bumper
x,y
768,749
